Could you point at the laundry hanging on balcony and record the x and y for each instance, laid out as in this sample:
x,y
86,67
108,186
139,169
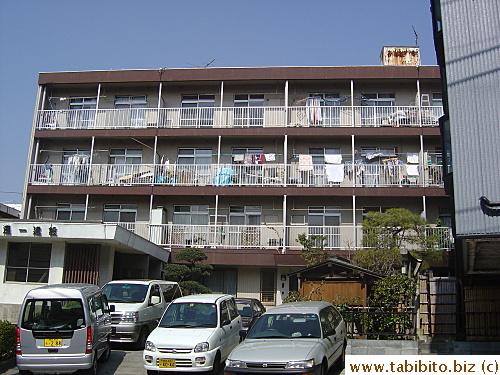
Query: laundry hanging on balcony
x,y
334,169
314,116
305,162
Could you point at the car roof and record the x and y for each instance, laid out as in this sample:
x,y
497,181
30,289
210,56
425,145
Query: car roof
x,y
247,299
203,298
141,281
69,290
307,307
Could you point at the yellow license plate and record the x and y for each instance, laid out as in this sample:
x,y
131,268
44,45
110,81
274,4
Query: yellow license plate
x,y
166,363
52,342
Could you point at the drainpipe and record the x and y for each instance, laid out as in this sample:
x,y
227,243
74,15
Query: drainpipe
x,y
284,244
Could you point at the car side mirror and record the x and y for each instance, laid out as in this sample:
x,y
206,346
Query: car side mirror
x,y
330,332
154,300
226,322
243,334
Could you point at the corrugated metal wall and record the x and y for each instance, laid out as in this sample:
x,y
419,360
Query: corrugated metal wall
x,y
471,34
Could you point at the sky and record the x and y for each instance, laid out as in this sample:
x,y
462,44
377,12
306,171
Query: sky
x,y
65,35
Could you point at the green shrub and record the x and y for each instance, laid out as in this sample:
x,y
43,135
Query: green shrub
x,y
7,340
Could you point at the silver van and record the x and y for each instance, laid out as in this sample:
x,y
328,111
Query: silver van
x,y
63,328
138,305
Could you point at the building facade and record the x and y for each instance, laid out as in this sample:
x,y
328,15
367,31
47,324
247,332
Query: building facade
x,y
238,161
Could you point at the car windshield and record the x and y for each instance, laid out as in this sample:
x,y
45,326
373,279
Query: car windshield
x,y
190,314
286,326
53,314
244,308
129,293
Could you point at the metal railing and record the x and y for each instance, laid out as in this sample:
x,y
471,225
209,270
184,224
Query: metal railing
x,y
217,117
299,175
277,237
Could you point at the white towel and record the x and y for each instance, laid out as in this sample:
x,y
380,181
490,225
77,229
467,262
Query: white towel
x,y
238,157
270,157
333,159
412,157
334,172
412,170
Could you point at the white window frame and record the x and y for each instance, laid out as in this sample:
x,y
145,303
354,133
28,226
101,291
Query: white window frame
x,y
119,209
72,208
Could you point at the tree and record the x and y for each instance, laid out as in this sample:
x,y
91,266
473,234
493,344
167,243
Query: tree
x,y
385,234
313,248
189,275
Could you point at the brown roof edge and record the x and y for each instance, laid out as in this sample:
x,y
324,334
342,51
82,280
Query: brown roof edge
x,y
236,74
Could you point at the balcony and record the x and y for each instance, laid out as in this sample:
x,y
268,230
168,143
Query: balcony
x,y
278,237
238,117
221,175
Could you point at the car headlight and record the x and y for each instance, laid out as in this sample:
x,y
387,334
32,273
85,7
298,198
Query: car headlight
x,y
130,317
301,364
235,363
201,347
150,346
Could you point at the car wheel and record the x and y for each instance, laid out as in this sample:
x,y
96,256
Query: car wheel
x,y
152,372
107,352
93,369
143,336
24,372
216,365
340,364
324,368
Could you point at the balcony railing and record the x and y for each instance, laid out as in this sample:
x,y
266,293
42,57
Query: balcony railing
x,y
221,117
299,175
276,237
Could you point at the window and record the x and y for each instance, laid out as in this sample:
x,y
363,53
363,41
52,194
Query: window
x,y
197,110
245,215
70,211
249,109
329,115
191,215
83,118
120,213
367,209
222,281
376,116
155,291
194,156
318,154
125,156
135,105
378,99
224,311
28,262
325,221
437,99
246,155
370,153
232,309
268,285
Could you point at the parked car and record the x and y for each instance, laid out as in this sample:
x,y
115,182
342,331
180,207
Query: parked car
x,y
250,309
195,334
63,328
139,305
293,338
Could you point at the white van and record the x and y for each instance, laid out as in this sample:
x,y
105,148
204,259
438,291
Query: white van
x,y
139,305
63,328
196,334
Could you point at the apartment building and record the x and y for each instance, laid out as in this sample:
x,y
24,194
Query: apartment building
x,y
237,161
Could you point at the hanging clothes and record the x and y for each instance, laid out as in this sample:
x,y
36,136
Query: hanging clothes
x,y
305,162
